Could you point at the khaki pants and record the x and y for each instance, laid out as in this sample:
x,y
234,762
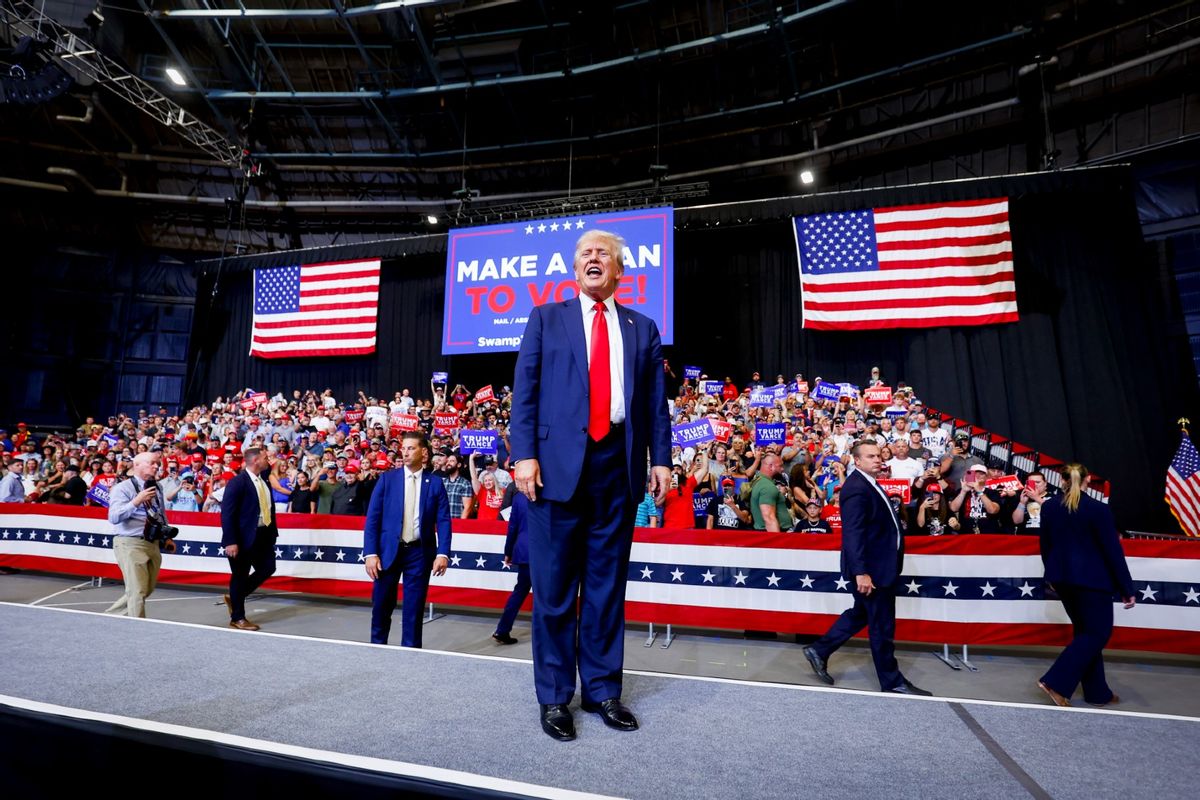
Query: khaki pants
x,y
139,561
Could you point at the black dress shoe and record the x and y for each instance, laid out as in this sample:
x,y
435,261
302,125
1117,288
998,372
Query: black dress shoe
x,y
557,721
614,714
908,688
818,665
503,638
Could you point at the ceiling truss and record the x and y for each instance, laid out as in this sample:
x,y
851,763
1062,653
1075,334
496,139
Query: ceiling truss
x,y
372,117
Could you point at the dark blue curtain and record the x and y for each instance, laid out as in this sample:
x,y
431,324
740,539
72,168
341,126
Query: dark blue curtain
x,y
1093,371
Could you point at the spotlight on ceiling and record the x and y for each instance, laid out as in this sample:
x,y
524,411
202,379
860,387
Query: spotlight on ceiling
x,y
176,77
431,219
806,177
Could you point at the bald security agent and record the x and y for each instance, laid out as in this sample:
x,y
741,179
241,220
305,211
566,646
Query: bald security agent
x,y
589,410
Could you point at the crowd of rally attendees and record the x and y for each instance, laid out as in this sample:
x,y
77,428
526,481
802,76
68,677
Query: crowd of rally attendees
x,y
326,454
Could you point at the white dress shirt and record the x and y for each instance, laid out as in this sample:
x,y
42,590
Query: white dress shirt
x,y
616,352
891,512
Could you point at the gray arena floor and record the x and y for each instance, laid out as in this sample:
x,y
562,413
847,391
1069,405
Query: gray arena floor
x,y
1156,684
700,737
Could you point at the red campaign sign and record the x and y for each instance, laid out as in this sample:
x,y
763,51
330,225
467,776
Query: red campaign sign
x,y
722,430
802,387
405,422
259,397
1004,482
896,486
354,415
446,422
834,521
247,404
382,462
879,395
484,395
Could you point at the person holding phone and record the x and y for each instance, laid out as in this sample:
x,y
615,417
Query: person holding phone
x,y
1027,515
977,507
933,516
1085,565
724,512
678,507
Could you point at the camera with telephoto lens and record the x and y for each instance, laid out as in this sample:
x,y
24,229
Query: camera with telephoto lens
x,y
156,528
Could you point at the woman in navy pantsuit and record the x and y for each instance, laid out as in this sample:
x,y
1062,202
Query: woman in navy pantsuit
x,y
516,553
1086,566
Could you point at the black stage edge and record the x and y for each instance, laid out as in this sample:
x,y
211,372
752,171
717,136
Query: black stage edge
x,y
46,755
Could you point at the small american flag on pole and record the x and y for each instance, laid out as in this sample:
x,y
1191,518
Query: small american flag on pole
x,y
919,266
1183,486
315,310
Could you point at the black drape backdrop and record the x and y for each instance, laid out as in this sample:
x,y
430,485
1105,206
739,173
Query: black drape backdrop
x,y
411,292
1089,372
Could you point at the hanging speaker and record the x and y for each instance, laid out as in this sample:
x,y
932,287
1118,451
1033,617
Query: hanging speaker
x,y
32,88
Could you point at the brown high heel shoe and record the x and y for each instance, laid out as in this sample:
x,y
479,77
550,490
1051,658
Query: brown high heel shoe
x,y
1058,699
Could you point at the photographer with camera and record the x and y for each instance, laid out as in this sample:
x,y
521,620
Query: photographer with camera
x,y
140,533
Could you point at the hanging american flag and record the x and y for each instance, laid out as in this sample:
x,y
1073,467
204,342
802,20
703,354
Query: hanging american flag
x,y
1183,486
921,266
315,310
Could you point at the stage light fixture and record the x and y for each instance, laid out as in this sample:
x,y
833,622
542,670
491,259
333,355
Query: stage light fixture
x,y
807,177
176,76
431,219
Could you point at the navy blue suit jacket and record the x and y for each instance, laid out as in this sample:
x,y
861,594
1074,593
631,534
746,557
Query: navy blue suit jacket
x,y
385,517
239,511
550,398
1083,548
516,544
869,545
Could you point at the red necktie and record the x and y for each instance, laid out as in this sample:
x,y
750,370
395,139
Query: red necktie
x,y
600,378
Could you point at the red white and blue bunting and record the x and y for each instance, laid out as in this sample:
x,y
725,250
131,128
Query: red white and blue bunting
x,y
957,589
